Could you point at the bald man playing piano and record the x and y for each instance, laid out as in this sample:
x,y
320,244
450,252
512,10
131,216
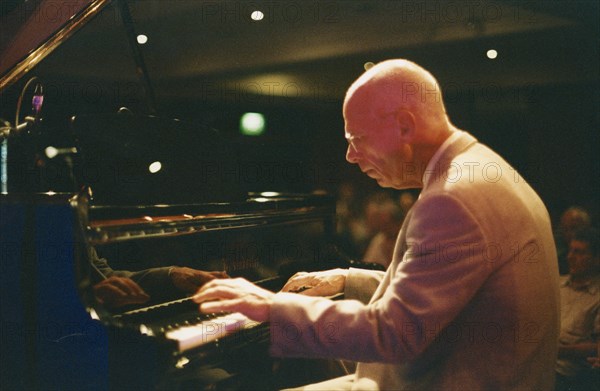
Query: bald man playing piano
x,y
470,299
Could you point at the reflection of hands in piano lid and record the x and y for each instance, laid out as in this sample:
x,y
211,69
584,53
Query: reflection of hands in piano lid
x,y
323,283
189,280
115,292
235,295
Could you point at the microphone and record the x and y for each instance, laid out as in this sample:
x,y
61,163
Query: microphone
x,y
22,127
51,152
38,100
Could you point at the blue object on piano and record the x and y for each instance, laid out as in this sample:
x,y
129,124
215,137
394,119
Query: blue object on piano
x,y
49,340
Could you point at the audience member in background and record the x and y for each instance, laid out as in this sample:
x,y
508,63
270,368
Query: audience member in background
x,y
383,216
406,200
580,314
572,219
350,229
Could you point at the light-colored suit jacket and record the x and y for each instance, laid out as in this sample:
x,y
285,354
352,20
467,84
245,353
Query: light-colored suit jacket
x,y
470,300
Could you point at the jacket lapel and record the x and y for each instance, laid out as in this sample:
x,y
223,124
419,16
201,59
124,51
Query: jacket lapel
x,y
459,145
399,250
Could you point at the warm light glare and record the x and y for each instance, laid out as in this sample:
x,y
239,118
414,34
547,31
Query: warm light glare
x,y
145,330
182,362
93,314
257,15
154,167
269,194
492,54
252,124
368,65
51,152
142,39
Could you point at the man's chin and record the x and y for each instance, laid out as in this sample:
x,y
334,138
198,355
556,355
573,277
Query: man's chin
x,y
398,186
382,182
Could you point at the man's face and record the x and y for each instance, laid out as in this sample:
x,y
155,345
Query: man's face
x,y
374,144
580,258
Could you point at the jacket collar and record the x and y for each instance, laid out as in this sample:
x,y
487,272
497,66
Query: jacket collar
x,y
458,142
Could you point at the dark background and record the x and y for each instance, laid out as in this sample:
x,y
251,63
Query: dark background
x,y
207,62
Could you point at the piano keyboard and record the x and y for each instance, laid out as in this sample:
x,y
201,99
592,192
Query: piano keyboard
x,y
180,321
192,336
161,315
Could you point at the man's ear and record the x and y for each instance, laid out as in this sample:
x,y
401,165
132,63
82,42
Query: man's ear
x,y
406,125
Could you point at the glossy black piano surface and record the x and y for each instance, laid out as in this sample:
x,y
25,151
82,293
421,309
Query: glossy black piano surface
x,y
166,343
242,205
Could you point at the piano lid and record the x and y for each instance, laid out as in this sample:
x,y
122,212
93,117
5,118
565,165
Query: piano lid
x,y
31,30
97,70
109,224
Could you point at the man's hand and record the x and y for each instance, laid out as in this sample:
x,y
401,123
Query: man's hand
x,y
189,280
116,292
235,295
325,283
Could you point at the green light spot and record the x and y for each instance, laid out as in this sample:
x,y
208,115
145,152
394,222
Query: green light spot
x,y
252,124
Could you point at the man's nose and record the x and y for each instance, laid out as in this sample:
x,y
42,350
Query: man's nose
x,y
351,154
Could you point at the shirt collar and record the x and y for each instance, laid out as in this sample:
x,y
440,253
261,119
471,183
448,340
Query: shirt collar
x,y
432,165
591,286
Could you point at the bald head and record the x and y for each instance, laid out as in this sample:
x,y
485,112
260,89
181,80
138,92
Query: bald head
x,y
395,119
399,84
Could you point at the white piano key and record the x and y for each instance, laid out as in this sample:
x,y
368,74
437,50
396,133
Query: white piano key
x,y
189,337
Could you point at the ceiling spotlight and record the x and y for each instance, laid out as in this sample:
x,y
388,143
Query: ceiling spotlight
x,y
155,167
492,54
142,39
257,15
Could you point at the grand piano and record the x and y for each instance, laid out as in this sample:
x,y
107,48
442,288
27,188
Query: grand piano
x,y
55,334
